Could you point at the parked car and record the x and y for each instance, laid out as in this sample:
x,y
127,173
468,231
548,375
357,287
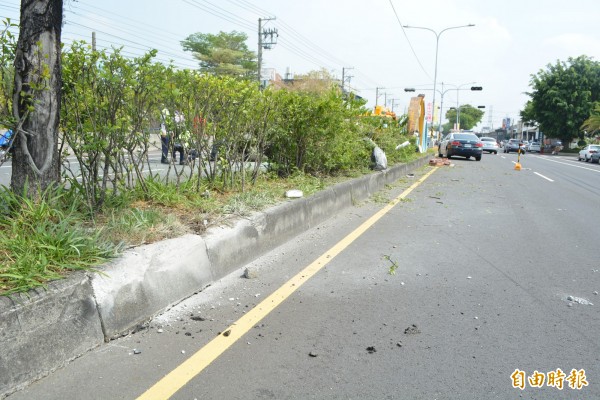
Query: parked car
x,y
595,158
514,145
587,151
534,146
461,144
489,144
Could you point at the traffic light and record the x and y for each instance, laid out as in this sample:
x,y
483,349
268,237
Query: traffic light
x,y
476,88
480,106
409,89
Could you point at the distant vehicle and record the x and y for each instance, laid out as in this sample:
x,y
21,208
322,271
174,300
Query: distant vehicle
x,y
595,158
461,144
514,145
489,144
533,147
587,151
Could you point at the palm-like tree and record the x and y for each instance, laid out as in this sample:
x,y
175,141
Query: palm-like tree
x,y
592,124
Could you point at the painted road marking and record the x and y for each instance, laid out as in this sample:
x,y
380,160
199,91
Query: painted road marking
x,y
545,177
570,165
191,367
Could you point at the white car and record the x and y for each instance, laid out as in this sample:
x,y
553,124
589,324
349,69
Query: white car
x,y
587,151
489,144
533,147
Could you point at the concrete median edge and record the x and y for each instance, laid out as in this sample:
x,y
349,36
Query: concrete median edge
x,y
44,329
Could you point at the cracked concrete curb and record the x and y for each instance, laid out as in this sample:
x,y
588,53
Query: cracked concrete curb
x,y
44,329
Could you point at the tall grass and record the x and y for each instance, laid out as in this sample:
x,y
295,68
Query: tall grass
x,y
42,240
46,239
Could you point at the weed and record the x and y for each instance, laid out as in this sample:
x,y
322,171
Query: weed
x,y
393,267
380,198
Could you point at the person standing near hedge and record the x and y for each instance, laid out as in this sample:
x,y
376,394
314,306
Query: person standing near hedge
x,y
165,132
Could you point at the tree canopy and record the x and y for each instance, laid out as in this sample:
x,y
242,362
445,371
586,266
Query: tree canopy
x,y
223,53
563,97
469,117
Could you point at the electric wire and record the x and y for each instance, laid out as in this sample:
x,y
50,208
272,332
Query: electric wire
x,y
117,28
236,21
291,41
251,7
408,40
142,26
143,46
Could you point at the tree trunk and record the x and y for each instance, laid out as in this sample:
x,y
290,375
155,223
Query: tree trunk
x,y
36,99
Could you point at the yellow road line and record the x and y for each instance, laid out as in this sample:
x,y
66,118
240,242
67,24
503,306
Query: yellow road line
x,y
181,375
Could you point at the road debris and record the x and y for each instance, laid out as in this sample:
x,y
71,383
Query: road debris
x,y
412,330
439,162
294,194
250,273
579,300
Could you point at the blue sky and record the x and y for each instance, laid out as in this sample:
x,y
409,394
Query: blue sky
x,y
511,40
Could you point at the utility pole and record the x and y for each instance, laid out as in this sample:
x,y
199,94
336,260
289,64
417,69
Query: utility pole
x,y
264,43
377,95
93,41
346,77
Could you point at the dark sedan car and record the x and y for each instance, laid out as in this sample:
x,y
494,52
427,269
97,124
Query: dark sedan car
x,y
461,144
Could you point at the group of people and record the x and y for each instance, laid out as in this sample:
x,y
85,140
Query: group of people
x,y
172,128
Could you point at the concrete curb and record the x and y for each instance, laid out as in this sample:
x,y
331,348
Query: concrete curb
x,y
45,329
145,280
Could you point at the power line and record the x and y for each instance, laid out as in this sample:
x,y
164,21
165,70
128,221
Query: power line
x,y
123,39
408,40
136,34
126,31
234,19
308,43
143,26
251,7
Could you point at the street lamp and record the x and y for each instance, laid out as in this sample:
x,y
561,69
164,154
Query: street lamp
x,y
437,43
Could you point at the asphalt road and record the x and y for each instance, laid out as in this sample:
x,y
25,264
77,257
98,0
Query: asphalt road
x,y
493,270
153,166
